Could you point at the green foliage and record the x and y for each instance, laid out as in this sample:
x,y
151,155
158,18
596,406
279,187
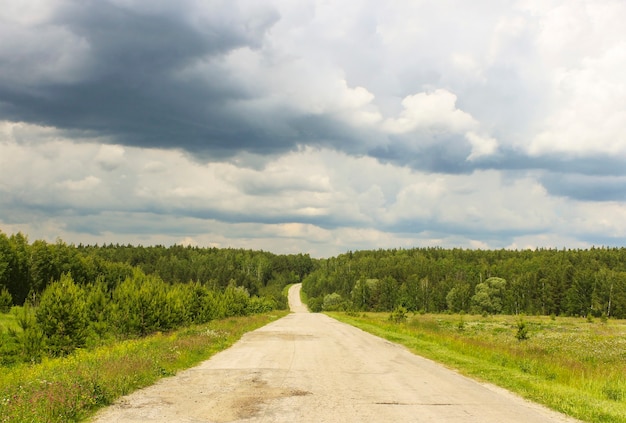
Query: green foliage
x,y
6,300
30,338
261,305
461,324
98,300
489,296
543,281
235,301
315,304
86,296
522,331
458,297
140,305
62,316
398,315
333,302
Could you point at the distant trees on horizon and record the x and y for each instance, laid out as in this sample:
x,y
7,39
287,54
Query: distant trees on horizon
x,y
543,281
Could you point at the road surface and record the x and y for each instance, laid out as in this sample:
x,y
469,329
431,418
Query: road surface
x,y
308,367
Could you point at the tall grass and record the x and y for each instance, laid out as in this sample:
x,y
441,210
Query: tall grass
x,y
72,388
568,364
8,321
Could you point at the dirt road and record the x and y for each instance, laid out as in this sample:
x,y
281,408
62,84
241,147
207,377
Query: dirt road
x,y
310,368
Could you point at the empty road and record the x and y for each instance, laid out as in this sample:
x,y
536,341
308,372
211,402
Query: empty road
x,y
310,368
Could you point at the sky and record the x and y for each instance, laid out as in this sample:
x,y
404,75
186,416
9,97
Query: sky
x,y
314,126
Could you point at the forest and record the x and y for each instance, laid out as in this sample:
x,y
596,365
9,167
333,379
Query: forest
x,y
589,282
73,296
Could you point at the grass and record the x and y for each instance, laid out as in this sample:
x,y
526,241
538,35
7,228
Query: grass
x,y
73,388
568,364
8,321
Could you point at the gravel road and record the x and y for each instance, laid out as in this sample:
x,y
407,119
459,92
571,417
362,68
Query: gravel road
x,y
310,368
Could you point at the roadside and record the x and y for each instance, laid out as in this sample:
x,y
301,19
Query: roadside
x,y
311,368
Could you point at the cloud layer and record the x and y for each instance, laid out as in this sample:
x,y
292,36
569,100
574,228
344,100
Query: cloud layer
x,y
314,126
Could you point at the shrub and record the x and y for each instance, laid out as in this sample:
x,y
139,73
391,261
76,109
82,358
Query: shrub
x,y
315,304
31,338
333,302
235,301
62,316
140,305
261,305
6,300
522,331
398,315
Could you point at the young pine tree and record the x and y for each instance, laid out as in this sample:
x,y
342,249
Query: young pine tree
x,y
62,316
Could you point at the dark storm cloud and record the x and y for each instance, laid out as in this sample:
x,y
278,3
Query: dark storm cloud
x,y
157,79
446,156
129,89
585,187
592,165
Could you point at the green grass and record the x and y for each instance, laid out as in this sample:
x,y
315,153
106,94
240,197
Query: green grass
x,y
8,321
285,290
567,364
73,388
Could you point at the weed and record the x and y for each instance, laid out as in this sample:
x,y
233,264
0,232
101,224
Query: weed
x,y
614,391
398,315
522,331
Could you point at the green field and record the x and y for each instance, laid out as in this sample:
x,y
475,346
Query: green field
x,y
572,365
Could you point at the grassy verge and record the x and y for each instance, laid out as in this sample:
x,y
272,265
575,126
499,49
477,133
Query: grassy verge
x,y
568,364
72,388
285,290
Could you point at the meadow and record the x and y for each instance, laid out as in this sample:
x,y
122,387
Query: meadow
x,y
573,365
72,388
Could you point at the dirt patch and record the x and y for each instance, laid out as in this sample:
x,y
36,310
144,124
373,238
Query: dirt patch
x,y
246,400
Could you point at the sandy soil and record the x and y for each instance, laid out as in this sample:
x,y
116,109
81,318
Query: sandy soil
x,y
310,368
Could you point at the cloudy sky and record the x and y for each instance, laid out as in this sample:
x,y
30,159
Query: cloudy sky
x,y
314,126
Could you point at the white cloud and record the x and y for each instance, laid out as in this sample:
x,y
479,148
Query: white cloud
x,y
110,157
481,145
86,184
434,111
581,46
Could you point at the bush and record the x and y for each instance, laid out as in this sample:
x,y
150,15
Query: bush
x,y
6,300
235,301
31,338
333,302
398,315
62,316
315,304
522,331
140,305
261,305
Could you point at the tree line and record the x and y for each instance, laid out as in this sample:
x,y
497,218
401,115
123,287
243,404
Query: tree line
x,y
79,296
26,268
577,282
